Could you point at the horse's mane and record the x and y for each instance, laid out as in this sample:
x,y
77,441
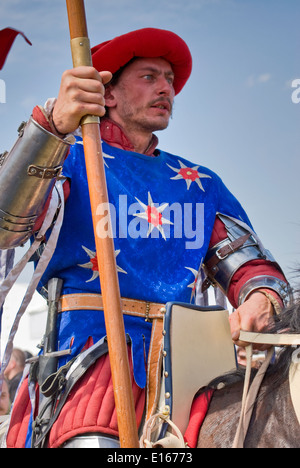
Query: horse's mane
x,y
287,322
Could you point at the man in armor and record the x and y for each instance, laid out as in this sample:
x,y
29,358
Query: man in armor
x,y
172,221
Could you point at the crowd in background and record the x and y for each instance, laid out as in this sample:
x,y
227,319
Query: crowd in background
x,y
13,375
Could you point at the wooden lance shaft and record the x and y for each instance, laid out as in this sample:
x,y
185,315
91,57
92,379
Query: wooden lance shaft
x,y
104,243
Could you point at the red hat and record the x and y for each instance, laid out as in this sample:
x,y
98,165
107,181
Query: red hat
x,y
148,42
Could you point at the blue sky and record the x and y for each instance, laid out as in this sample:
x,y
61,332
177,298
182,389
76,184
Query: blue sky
x,y
235,115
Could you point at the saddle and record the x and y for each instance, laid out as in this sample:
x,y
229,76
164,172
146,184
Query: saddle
x,y
197,347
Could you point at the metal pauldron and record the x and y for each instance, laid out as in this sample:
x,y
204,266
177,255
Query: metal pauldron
x,y
282,288
240,247
27,175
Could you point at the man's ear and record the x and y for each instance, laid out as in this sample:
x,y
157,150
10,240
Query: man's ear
x,y
110,100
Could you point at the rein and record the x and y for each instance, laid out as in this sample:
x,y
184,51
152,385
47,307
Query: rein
x,y
250,392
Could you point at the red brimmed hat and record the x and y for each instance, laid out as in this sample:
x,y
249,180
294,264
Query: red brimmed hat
x,y
148,42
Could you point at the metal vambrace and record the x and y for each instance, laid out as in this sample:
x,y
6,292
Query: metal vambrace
x,y
283,289
27,176
226,257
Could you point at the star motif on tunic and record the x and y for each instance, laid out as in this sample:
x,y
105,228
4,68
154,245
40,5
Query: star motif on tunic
x,y
189,174
93,264
153,215
193,285
107,156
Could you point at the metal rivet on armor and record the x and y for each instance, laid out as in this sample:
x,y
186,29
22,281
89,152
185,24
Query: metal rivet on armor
x,y
164,332
166,374
147,312
164,353
167,395
163,310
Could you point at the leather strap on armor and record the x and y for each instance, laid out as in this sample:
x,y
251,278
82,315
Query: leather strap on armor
x,y
226,257
228,249
27,176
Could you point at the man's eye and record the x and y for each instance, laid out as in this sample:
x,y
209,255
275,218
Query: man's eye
x,y
148,77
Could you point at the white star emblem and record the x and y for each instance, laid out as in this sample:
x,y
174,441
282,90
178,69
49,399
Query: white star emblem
x,y
193,285
107,156
189,174
153,215
93,263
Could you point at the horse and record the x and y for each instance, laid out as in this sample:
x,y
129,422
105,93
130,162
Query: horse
x,y
273,423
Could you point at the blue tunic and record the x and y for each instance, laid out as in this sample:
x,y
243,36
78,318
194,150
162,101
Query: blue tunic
x,y
163,211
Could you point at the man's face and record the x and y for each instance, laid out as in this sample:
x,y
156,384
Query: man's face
x,y
4,400
142,99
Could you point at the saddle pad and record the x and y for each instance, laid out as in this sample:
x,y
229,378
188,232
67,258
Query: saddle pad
x,y
197,348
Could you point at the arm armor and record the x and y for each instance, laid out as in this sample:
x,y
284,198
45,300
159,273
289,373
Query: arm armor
x,y
27,176
225,258
267,282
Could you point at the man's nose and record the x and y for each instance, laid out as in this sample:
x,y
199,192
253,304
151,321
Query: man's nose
x,y
165,87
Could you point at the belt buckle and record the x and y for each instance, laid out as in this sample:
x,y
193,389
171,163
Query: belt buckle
x,y
220,256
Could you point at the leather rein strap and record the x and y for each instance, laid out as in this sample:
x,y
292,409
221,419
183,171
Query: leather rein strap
x,y
250,392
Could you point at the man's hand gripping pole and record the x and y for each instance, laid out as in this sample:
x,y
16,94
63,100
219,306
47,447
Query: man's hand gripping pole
x,y
104,246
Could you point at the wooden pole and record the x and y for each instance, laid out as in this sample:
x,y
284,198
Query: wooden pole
x,y
104,244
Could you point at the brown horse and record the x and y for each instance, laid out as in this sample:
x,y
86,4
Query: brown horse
x,y
274,423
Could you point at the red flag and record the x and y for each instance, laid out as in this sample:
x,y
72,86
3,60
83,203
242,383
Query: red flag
x,y
7,37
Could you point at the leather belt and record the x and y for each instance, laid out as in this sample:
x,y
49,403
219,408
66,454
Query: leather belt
x,y
149,311
87,301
